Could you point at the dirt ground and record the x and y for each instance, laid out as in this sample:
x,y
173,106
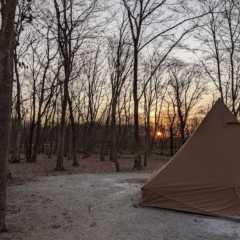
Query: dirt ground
x,y
101,207
45,167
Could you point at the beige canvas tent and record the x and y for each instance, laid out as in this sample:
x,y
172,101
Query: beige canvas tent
x,y
204,176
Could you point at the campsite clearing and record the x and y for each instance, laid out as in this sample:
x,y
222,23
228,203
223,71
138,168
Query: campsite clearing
x,y
101,207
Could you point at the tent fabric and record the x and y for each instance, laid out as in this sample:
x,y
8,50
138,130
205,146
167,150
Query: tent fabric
x,y
204,175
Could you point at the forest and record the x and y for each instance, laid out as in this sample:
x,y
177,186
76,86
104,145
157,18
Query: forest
x,y
93,76
110,79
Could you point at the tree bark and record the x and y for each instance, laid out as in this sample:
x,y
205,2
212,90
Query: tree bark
x,y
73,135
61,139
137,159
113,152
171,141
15,158
6,73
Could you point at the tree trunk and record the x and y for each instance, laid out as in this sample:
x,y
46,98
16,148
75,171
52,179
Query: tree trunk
x,y
171,141
137,159
73,135
5,109
15,158
29,142
113,152
6,70
147,153
182,132
36,143
62,131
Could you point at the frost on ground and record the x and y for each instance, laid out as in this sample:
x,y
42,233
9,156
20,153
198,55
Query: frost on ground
x,y
101,207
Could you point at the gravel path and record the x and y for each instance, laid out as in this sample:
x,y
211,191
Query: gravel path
x,y
101,207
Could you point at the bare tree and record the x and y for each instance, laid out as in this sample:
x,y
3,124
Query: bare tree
x,y
187,88
171,116
120,66
94,77
219,53
153,95
23,18
43,87
44,101
141,15
138,13
69,30
8,9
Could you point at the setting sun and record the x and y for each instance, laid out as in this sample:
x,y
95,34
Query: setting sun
x,y
159,134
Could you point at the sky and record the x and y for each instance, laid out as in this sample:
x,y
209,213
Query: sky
x,y
112,12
